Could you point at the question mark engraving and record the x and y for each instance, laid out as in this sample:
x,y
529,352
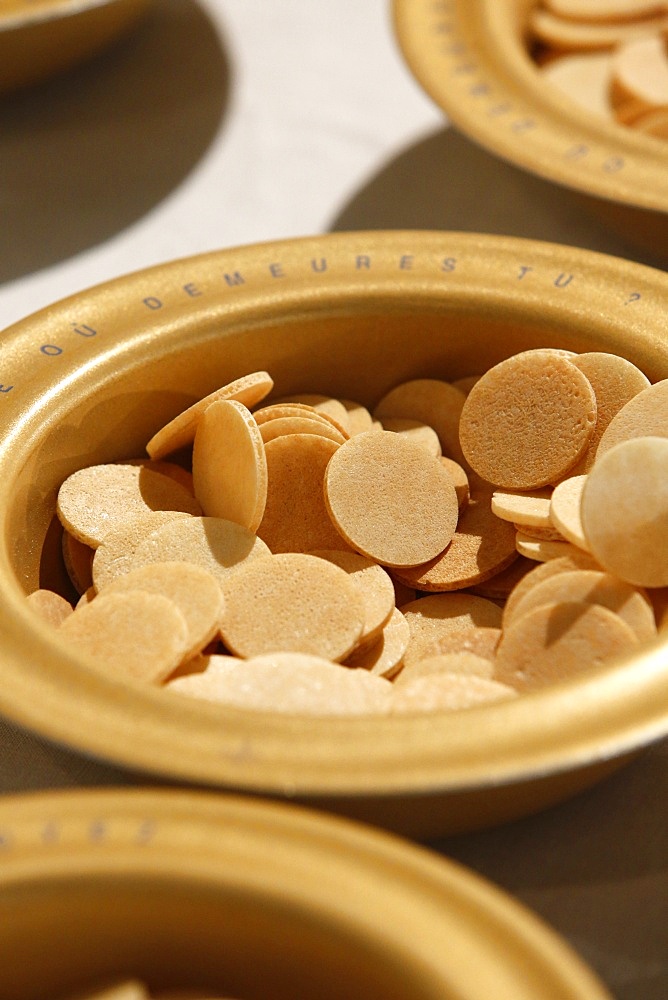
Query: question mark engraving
x,y
633,297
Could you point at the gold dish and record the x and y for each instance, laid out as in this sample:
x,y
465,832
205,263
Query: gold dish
x,y
255,900
471,57
92,377
41,37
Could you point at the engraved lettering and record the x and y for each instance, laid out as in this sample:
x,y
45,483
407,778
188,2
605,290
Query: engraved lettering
x,y
633,297
523,125
233,279
406,262
276,270
613,164
563,280
84,330
500,109
362,261
577,152
319,265
97,830
524,269
6,388
192,290
51,350
448,263
152,302
479,89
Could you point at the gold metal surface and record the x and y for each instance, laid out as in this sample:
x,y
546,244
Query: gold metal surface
x,y
91,378
255,900
471,58
39,38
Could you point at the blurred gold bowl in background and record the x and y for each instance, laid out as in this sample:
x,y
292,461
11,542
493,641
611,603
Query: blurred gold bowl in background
x,y
91,378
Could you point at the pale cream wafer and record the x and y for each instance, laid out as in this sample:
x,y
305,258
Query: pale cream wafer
x,y
229,464
446,663
448,692
475,640
86,597
130,989
359,418
527,420
585,78
384,654
432,401
292,602
373,585
294,683
591,587
196,593
414,430
51,607
571,36
555,642
171,469
78,559
115,555
625,511
565,510
215,544
460,480
640,72
605,10
531,507
437,615
572,559
179,432
299,425
481,547
615,381
646,415
541,549
279,411
540,534
295,515
134,635
501,585
328,406
96,500
390,499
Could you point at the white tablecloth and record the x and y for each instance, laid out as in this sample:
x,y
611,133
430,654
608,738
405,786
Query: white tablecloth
x,y
226,122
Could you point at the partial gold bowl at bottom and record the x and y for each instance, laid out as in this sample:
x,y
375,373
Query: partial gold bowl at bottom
x,y
257,901
93,377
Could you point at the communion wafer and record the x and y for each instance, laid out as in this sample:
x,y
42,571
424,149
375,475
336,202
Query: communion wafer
x,y
573,559
373,585
555,642
541,549
528,508
570,35
279,411
51,607
446,663
592,587
384,654
359,419
539,534
215,544
195,591
475,640
432,401
96,500
295,516
170,469
414,430
605,10
448,692
229,464
482,546
654,123
326,405
78,560
299,424
584,78
640,72
296,683
249,390
565,510
390,499
527,420
133,635
292,602
460,480
501,585
115,555
625,511
645,415
441,614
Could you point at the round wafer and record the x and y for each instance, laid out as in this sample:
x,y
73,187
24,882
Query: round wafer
x,y
448,692
645,415
431,401
115,555
384,654
373,585
438,615
51,607
446,663
414,430
530,508
565,510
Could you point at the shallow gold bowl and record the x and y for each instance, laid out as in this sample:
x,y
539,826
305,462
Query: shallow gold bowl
x,y
91,378
471,57
255,900
41,37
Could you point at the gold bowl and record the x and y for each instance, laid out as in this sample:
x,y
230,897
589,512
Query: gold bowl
x,y
231,897
471,57
41,37
91,378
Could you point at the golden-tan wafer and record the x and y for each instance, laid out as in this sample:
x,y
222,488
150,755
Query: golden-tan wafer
x,y
179,432
430,618
625,511
373,585
654,122
539,534
530,508
51,607
482,546
229,464
296,683
585,78
465,384
390,499
501,585
645,415
326,405
96,500
477,640
195,591
573,559
555,642
541,549
446,663
134,635
640,72
299,425
384,654
432,401
217,545
295,515
292,602
460,480
170,469
448,692
78,559
359,418
565,510
279,411
115,555
527,420
571,35
416,431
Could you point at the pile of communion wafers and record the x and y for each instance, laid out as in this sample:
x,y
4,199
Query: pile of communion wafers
x,y
609,56
461,542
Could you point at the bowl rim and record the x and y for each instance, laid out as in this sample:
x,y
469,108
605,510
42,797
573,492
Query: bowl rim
x,y
467,57
359,878
573,725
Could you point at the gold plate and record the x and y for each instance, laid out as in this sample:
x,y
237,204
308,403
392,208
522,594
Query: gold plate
x,y
254,899
41,37
91,378
470,57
